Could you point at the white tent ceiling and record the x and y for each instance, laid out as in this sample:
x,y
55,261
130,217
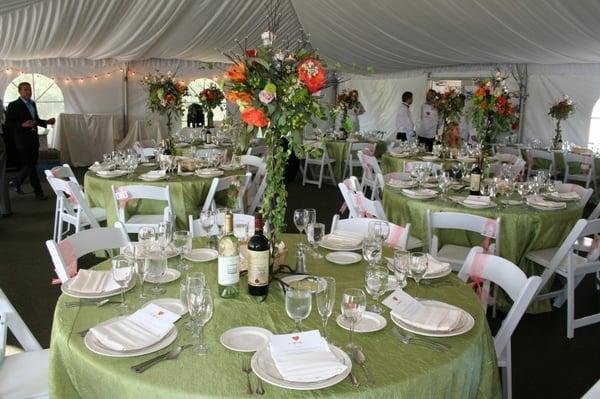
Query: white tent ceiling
x,y
389,35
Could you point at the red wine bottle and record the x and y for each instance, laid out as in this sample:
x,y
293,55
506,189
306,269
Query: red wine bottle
x,y
475,181
258,260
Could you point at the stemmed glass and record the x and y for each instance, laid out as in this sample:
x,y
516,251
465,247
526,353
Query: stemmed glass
x,y
207,220
379,230
146,235
183,243
201,308
139,268
156,267
376,280
220,217
164,235
400,267
300,220
418,267
298,304
195,280
372,250
444,183
353,306
122,271
325,301
315,233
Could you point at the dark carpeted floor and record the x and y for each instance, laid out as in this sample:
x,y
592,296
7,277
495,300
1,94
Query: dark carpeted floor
x,y
545,363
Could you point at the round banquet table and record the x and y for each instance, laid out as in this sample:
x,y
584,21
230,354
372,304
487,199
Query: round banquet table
x,y
187,194
391,163
523,228
467,370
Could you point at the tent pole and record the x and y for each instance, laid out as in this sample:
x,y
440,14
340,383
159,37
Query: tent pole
x,y
523,82
125,107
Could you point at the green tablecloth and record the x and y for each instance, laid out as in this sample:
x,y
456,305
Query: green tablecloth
x,y
338,150
468,370
522,229
187,194
390,163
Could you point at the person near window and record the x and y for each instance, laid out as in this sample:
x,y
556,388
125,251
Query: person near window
x,y
405,127
22,119
355,108
430,120
4,198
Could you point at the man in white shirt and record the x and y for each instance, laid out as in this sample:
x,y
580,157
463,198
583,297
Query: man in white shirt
x,y
430,120
405,127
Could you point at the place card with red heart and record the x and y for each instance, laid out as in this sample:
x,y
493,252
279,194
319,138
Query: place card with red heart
x,y
297,342
401,303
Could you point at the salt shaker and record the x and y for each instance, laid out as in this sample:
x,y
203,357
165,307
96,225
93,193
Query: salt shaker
x,y
300,260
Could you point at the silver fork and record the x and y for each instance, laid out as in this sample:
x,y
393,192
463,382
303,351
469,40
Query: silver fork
x,y
246,368
406,339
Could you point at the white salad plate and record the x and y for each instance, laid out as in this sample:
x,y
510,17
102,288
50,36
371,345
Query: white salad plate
x,y
370,322
343,257
202,255
466,324
170,275
245,339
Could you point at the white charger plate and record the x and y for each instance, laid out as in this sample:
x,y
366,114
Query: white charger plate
x,y
467,323
112,174
544,208
264,368
202,255
419,197
212,173
171,304
94,345
146,178
336,247
75,294
559,199
492,204
343,257
169,276
370,322
246,339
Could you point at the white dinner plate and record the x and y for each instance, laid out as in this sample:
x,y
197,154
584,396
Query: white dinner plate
x,y
370,322
492,204
245,339
113,173
171,304
555,197
145,177
430,158
427,276
545,208
343,257
265,369
169,276
185,174
202,255
418,197
75,294
94,345
338,247
466,324
209,172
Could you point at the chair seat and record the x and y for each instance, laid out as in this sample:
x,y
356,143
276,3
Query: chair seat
x,y
25,375
413,243
453,254
544,256
145,219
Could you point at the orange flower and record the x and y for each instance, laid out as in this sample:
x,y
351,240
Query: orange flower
x,y
312,74
169,98
180,87
236,73
241,96
480,92
255,117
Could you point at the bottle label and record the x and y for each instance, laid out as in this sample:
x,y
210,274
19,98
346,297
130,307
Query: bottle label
x,y
229,270
475,180
258,268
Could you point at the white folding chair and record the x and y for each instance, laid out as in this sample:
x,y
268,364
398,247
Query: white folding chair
x,y
22,375
587,175
594,392
519,288
370,171
456,254
397,239
409,166
72,208
352,160
260,151
123,194
196,229
224,183
258,197
324,163
572,267
63,172
584,193
259,165
65,253
547,158
360,206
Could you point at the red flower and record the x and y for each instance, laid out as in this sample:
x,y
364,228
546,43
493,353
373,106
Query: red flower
x,y
251,52
312,74
169,98
180,87
255,117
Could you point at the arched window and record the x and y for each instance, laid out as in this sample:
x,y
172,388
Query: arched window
x,y
594,135
45,92
194,88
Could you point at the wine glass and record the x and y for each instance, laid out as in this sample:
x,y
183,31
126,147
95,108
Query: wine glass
x,y
371,250
207,220
353,306
220,218
196,280
122,270
298,304
444,183
376,279
183,242
240,231
325,301
156,267
201,308
311,216
401,267
379,230
300,220
164,234
315,233
418,267
139,269
146,235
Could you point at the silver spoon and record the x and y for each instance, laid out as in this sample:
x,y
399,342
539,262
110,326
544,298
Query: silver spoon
x,y
89,303
171,355
360,358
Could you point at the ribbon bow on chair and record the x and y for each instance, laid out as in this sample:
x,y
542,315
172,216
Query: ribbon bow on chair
x,y
489,231
68,254
477,282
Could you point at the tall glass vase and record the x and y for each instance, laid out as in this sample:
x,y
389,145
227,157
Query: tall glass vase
x,y
209,119
557,140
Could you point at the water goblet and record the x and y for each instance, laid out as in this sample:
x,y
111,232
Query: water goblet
x,y
122,271
401,267
207,220
379,230
315,233
298,304
354,302
418,267
376,280
300,220
139,265
371,250
156,267
183,242
164,234
240,231
200,307
325,301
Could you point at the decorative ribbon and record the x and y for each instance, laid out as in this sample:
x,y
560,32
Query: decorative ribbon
x,y
395,235
68,254
594,252
359,204
477,267
122,195
350,186
573,188
490,230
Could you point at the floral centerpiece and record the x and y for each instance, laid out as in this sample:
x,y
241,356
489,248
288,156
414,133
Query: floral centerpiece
x,y
210,98
277,91
343,103
165,96
450,106
561,110
492,112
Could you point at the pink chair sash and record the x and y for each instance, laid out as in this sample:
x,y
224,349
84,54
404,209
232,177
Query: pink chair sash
x,y
594,252
69,256
395,235
359,204
123,197
490,230
477,268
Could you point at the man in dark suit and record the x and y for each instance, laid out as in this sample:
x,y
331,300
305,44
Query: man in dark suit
x,y
22,120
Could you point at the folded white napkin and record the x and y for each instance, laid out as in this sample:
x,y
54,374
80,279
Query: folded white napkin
x,y
477,200
539,201
156,174
140,330
304,357
106,172
343,238
93,282
399,183
434,266
420,193
569,195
